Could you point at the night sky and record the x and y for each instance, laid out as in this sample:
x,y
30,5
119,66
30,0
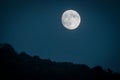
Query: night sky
x,y
34,26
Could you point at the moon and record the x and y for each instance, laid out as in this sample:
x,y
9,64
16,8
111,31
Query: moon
x,y
71,19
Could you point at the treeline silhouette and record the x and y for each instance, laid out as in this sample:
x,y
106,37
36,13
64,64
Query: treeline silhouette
x,y
23,66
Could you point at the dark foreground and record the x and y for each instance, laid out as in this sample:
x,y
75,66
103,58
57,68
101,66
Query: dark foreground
x,y
24,67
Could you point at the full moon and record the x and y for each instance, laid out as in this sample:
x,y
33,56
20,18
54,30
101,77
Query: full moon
x,y
71,19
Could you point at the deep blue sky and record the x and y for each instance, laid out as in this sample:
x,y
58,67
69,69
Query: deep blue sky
x,y
34,26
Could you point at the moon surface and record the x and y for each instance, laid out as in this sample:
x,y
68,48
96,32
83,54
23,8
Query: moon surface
x,y
71,19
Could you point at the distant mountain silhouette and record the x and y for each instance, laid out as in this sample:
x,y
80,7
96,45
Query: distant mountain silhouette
x,y
23,66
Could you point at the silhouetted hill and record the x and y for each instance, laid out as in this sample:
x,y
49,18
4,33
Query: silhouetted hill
x,y
23,66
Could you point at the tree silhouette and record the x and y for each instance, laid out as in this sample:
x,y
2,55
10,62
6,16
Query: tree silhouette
x,y
24,66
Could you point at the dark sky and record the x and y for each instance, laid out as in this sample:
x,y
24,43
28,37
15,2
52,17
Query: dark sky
x,y
34,26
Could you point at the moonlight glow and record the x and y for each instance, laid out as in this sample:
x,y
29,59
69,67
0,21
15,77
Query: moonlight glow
x,y
71,19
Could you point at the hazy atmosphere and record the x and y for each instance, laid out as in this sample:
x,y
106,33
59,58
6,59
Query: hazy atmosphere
x,y
35,26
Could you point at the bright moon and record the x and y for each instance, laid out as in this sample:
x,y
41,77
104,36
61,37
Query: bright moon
x,y
71,19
